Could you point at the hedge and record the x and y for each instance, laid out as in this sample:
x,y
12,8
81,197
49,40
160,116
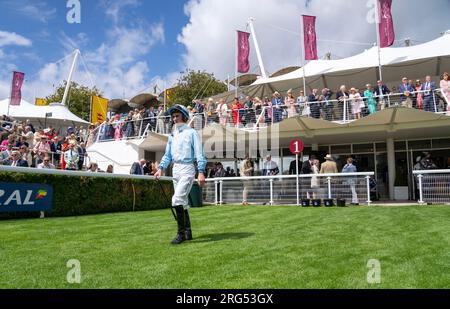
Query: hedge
x,y
78,195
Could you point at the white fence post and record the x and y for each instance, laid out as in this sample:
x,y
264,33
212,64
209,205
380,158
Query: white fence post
x,y
421,202
329,187
216,200
220,191
368,190
271,191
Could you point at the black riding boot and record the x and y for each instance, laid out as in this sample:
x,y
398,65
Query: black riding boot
x,y
181,226
187,225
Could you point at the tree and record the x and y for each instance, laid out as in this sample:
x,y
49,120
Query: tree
x,y
78,100
195,85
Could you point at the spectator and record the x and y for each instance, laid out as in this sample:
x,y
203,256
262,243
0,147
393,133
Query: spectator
x,y
71,157
277,103
381,91
246,171
293,167
419,94
327,105
46,164
350,168
342,96
356,102
209,110
219,171
307,169
270,168
445,88
290,104
26,155
222,111
138,167
6,154
41,148
55,149
406,91
329,166
302,103
110,169
314,104
427,162
235,108
267,104
429,88
148,168
369,96
93,167
16,161
315,182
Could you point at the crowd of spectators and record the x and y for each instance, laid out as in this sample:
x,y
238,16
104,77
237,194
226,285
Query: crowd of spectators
x,y
344,104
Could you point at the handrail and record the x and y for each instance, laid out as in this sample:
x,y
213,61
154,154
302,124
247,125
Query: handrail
x,y
431,172
291,176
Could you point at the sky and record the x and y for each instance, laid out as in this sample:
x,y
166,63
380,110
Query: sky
x,y
129,46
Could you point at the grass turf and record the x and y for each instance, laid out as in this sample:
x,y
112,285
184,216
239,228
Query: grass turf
x,y
234,248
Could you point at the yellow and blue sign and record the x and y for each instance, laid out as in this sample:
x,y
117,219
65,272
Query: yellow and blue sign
x,y
25,197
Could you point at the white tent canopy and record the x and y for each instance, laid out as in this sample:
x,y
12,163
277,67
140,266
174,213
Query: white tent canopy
x,y
61,116
414,62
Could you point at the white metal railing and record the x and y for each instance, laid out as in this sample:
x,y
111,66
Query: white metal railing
x,y
433,185
278,190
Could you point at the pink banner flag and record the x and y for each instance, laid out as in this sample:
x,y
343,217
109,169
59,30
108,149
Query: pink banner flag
x,y
309,35
386,26
16,88
243,52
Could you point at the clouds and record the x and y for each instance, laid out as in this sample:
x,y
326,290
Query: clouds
x,y
116,64
114,8
11,38
210,33
38,10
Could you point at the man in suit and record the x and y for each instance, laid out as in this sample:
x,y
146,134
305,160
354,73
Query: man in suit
x,y
429,88
71,157
407,91
381,90
342,96
306,167
138,167
15,160
293,167
329,166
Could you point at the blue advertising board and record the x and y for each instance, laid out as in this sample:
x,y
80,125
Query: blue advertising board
x,y
25,197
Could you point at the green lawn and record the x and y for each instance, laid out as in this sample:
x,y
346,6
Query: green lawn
x,y
234,248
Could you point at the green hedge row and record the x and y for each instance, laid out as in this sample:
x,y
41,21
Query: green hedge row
x,y
76,196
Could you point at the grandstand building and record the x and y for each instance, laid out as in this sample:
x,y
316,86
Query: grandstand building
x,y
387,142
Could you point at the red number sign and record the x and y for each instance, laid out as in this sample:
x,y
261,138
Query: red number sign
x,y
296,146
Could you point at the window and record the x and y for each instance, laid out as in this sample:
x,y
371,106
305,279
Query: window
x,y
341,149
361,148
422,144
400,146
441,143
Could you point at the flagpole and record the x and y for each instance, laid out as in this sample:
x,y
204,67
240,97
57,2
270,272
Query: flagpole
x,y
236,81
377,23
10,95
302,60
